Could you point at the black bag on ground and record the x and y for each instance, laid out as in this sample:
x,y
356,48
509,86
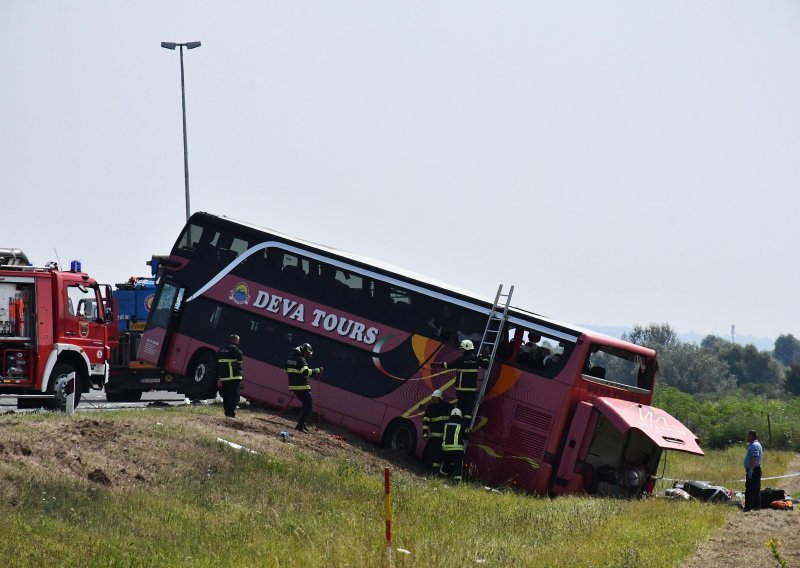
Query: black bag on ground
x,y
768,495
705,491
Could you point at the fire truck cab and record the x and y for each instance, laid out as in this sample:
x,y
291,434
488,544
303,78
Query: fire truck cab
x,y
52,323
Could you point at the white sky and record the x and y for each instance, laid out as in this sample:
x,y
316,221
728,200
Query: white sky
x,y
620,162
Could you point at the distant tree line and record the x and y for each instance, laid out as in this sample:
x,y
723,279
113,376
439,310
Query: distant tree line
x,y
720,366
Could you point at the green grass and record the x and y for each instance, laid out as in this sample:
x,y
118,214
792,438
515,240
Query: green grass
x,y
209,505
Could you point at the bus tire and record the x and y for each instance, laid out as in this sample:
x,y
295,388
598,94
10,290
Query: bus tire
x,y
202,376
124,396
401,435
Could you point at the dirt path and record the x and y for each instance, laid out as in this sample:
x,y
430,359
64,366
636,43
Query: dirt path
x,y
742,541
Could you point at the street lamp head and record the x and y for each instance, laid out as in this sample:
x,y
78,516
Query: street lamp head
x,y
168,45
192,44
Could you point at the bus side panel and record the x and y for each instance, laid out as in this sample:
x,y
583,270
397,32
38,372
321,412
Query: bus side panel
x,y
269,384
567,479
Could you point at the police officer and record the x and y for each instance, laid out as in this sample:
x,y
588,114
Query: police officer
x,y
436,414
466,366
299,372
454,438
229,374
753,459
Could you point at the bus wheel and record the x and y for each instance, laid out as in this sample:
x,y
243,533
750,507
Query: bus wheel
x,y
203,376
401,435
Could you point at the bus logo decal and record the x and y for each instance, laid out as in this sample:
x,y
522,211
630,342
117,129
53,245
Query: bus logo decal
x,y
240,294
148,302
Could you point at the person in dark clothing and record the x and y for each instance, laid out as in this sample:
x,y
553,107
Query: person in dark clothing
x,y
436,414
466,367
299,372
752,468
454,439
229,374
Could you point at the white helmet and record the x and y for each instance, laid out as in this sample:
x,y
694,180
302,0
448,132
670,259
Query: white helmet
x,y
467,345
436,394
456,412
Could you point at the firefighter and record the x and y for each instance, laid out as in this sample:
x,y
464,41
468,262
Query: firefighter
x,y
436,414
229,374
466,366
299,372
454,437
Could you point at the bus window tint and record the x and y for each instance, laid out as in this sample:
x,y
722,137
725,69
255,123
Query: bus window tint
x,y
166,299
621,367
239,246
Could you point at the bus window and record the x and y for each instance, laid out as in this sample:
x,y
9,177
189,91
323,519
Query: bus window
x,y
543,355
620,367
350,280
239,246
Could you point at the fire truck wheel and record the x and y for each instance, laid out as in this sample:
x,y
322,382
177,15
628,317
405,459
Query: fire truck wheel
x,y
203,376
58,379
401,436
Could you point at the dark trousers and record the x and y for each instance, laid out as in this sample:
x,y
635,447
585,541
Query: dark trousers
x,y
230,396
452,464
432,458
752,490
466,403
305,397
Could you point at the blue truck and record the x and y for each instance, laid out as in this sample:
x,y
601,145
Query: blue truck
x,y
129,378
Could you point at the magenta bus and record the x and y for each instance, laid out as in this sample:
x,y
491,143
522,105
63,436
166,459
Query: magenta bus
x,y
566,410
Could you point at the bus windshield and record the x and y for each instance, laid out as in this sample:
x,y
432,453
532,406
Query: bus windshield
x,y
620,367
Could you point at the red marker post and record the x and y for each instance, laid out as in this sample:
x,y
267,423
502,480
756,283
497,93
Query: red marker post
x,y
388,507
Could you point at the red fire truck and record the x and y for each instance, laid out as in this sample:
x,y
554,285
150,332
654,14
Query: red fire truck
x,y
52,323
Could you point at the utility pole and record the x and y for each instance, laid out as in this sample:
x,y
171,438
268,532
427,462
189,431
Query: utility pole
x,y
188,45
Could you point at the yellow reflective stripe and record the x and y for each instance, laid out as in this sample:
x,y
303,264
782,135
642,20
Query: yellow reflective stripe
x,y
454,445
228,360
300,388
440,419
298,371
239,378
462,389
436,434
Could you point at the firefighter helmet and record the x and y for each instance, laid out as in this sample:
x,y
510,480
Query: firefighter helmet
x,y
436,394
456,412
305,349
467,345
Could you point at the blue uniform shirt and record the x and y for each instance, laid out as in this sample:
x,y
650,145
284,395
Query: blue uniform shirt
x,y
754,450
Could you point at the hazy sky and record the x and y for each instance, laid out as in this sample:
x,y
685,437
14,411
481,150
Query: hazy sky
x,y
619,162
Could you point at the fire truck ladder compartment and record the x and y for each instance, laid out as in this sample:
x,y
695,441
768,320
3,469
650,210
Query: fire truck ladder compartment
x,y
491,340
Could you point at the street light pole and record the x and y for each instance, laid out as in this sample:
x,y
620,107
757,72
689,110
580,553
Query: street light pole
x,y
189,45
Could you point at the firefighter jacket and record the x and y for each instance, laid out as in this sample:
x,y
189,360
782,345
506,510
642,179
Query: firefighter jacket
x,y
453,437
466,366
436,414
229,363
299,372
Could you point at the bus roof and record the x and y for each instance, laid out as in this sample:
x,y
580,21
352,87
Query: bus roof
x,y
518,316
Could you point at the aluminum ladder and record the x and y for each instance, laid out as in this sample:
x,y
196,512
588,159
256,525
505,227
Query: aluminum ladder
x,y
491,340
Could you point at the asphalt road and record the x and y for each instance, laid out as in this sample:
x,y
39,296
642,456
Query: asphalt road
x,y
96,400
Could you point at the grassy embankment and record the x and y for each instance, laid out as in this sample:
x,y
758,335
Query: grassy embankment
x,y
165,493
